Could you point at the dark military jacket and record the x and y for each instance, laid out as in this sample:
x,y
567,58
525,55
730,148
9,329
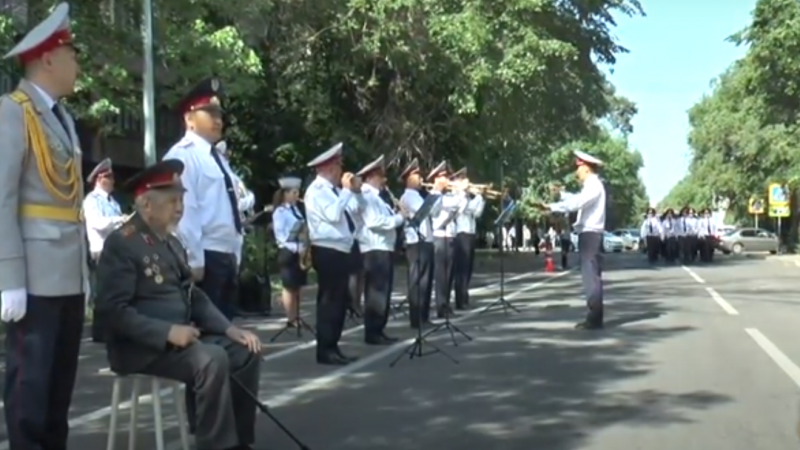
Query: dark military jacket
x,y
143,288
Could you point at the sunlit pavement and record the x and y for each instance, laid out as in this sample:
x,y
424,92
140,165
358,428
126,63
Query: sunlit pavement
x,y
692,358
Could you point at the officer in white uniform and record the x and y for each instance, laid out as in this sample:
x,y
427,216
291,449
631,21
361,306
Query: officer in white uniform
x,y
331,230
706,235
465,227
453,203
377,239
689,221
590,204
211,227
101,211
669,224
286,220
419,246
653,234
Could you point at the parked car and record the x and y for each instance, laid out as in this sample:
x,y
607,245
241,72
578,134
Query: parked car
x,y
629,236
748,240
612,243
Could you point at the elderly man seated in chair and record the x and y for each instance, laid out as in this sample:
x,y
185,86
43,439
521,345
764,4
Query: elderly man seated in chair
x,y
157,323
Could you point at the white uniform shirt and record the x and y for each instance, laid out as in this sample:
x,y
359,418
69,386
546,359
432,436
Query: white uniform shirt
x,y
284,220
466,221
690,226
207,222
651,226
670,227
379,232
412,200
590,203
452,204
706,227
327,208
102,214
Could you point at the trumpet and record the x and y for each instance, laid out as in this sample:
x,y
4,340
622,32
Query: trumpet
x,y
397,204
477,189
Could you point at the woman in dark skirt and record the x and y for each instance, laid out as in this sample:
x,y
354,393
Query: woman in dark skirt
x,y
285,218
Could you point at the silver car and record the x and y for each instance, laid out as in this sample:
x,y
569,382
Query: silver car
x,y
748,240
629,236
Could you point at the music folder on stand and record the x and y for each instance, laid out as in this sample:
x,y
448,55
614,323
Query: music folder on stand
x,y
417,349
299,323
501,220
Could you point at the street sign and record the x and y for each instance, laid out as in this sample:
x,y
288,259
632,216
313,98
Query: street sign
x,y
778,201
756,206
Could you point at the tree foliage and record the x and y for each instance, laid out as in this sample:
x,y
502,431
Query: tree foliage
x,y
745,134
478,82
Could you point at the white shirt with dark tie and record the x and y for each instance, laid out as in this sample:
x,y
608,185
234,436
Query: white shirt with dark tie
x,y
380,223
102,215
327,210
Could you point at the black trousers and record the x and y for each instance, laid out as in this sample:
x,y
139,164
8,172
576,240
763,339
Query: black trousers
x,y
589,245
706,249
671,248
464,252
225,415
444,259
220,281
333,296
42,353
378,282
420,276
653,248
566,246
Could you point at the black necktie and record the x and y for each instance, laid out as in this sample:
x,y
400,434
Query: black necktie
x,y
651,226
60,117
231,191
350,224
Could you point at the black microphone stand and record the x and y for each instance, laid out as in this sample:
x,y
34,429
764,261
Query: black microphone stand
x,y
265,410
417,348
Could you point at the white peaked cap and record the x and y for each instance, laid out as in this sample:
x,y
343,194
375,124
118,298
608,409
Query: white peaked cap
x,y
57,21
327,155
583,156
436,170
103,167
371,166
290,182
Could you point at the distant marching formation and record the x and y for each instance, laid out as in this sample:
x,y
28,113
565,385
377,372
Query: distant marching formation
x,y
683,237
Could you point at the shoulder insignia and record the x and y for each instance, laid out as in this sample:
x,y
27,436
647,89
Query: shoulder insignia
x,y
127,230
184,142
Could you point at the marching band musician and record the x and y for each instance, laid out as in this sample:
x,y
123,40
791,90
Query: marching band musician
x,y
332,232
453,203
44,276
465,228
378,239
211,227
159,324
419,246
285,217
590,204
669,235
690,235
653,234
101,212
706,233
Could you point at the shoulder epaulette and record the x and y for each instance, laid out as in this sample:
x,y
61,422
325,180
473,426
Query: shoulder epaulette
x,y
127,230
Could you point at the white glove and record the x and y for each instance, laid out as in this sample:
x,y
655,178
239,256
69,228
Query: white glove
x,y
13,304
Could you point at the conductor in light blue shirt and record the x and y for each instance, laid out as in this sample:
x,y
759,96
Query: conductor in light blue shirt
x,y
590,203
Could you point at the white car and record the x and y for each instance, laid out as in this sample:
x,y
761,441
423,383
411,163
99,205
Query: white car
x,y
611,243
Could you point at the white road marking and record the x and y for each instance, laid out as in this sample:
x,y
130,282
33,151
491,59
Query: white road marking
x,y
727,307
332,378
104,412
694,275
780,358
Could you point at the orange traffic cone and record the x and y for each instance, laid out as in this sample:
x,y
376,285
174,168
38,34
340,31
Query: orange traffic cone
x,y
549,266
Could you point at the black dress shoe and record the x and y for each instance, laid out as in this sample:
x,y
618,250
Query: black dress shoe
x,y
380,339
347,359
331,359
389,338
589,325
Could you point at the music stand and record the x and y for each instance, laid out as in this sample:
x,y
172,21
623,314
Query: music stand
x,y
299,323
417,348
501,220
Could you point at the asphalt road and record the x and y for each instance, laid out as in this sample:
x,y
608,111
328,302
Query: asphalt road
x,y
692,358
